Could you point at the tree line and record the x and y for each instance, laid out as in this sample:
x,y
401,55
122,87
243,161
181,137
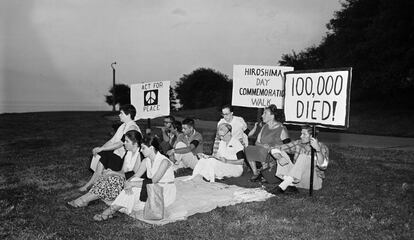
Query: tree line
x,y
375,37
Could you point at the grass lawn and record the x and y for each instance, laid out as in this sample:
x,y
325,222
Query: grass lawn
x,y
43,156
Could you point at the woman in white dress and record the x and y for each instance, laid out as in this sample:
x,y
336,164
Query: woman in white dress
x,y
159,170
227,162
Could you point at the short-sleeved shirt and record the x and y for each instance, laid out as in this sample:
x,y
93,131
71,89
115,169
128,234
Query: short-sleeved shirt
x,y
187,140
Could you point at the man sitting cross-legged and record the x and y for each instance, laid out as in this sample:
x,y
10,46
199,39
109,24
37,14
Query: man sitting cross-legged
x,y
297,174
188,145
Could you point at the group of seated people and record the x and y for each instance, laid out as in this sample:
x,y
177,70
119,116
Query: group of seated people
x,y
130,160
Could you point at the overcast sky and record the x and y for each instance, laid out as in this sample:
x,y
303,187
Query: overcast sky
x,y
56,54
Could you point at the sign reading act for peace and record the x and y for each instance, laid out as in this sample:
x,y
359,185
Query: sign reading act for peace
x,y
258,86
318,97
151,99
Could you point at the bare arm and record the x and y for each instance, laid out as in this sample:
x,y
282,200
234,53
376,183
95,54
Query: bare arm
x,y
165,136
284,134
251,133
111,146
165,164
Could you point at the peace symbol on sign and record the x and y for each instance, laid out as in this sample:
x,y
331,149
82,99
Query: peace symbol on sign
x,y
151,97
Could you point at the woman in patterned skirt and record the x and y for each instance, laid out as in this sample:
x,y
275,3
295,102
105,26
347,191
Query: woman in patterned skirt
x,y
112,178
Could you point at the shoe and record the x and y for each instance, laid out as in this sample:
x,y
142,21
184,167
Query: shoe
x,y
105,215
276,190
256,177
292,189
102,217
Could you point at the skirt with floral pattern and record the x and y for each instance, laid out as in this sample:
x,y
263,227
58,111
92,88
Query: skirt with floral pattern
x,y
108,187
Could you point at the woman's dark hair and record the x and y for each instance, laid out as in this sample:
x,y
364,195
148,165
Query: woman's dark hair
x,y
178,126
277,113
129,109
151,141
134,136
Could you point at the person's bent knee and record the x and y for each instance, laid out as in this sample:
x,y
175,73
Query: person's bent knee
x,y
180,145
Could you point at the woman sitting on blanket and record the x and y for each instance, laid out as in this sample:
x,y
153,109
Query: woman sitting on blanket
x,y
227,162
110,174
159,170
273,133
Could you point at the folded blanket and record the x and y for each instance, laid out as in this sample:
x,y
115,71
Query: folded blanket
x,y
198,197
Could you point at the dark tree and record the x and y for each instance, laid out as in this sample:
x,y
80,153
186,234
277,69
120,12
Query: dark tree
x,y
173,100
203,88
122,95
376,38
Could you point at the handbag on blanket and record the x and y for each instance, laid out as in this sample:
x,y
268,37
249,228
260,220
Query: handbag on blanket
x,y
154,206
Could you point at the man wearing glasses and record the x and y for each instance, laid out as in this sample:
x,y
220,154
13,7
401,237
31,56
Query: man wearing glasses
x,y
238,126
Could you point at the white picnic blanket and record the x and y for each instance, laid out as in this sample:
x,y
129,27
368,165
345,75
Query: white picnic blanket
x,y
200,197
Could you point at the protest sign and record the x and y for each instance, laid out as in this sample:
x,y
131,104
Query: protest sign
x,y
151,99
258,86
318,97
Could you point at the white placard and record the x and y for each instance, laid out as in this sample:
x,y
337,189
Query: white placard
x,y
151,99
318,97
258,86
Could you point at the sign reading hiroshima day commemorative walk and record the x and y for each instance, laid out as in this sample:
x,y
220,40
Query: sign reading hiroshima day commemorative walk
x,y
318,97
258,86
151,99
